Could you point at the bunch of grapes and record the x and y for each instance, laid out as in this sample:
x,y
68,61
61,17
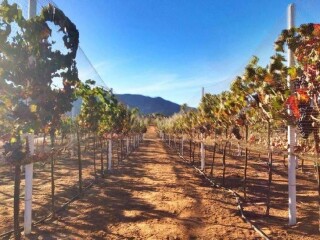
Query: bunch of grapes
x,y
305,121
253,100
300,82
236,132
241,119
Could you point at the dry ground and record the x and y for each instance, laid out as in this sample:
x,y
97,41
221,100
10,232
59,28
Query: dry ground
x,y
153,195
275,225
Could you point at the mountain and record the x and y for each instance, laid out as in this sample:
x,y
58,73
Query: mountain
x,y
148,105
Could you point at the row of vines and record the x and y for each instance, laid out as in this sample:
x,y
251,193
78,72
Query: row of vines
x,y
39,84
250,120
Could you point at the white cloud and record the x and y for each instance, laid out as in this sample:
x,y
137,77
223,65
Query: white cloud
x,y
157,83
182,87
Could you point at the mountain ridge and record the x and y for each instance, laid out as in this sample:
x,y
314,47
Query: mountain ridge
x,y
149,105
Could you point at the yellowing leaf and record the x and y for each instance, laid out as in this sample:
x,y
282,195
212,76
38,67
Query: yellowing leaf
x,y
268,78
33,108
292,102
316,30
302,96
292,73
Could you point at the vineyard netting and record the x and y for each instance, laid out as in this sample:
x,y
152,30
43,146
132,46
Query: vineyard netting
x,y
60,119
264,131
60,124
96,162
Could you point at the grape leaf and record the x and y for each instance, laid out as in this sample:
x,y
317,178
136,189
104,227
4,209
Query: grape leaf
x,y
292,102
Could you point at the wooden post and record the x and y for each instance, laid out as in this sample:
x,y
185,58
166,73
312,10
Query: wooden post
x,y
182,139
127,146
317,166
270,170
79,161
52,139
110,155
224,163
213,156
101,157
94,155
16,201
202,154
245,166
190,143
194,149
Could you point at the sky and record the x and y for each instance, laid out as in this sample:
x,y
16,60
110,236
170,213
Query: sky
x,y
173,48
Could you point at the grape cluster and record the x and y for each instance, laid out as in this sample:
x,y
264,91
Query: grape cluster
x,y
256,97
241,119
202,129
301,82
305,121
253,100
236,132
13,152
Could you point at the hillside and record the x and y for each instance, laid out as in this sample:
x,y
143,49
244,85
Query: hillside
x,y
148,105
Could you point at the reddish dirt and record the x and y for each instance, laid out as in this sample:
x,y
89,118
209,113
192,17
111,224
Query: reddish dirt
x,y
152,195
66,186
276,224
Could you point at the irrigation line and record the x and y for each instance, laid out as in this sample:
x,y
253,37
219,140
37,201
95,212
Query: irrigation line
x,y
239,202
236,195
63,207
6,234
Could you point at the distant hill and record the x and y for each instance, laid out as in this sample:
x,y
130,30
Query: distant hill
x,y
148,105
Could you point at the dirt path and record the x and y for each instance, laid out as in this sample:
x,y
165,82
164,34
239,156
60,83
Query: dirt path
x,y
152,195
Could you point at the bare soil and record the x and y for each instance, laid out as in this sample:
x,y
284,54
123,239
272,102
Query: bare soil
x,y
276,224
152,195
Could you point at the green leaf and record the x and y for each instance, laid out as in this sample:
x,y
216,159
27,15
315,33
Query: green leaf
x,y
292,71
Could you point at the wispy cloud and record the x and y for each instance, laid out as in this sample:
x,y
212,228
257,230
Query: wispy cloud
x,y
177,86
157,83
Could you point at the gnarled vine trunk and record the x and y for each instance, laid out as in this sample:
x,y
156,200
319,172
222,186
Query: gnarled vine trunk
x,y
190,143
94,155
101,156
317,163
79,161
16,201
213,158
245,165
270,161
52,139
224,163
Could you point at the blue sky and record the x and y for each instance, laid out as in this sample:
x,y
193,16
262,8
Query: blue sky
x,y
171,48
